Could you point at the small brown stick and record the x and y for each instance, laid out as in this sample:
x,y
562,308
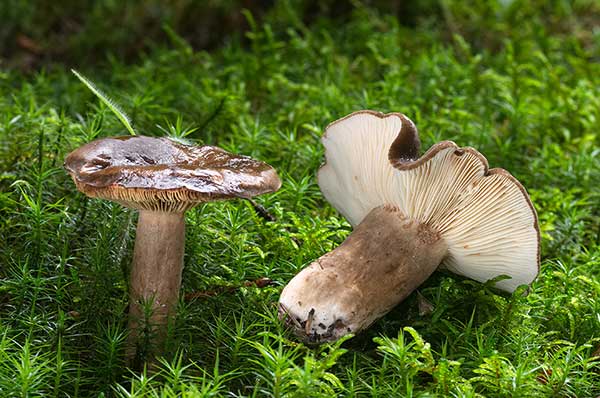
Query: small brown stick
x,y
264,213
261,211
285,315
259,283
309,321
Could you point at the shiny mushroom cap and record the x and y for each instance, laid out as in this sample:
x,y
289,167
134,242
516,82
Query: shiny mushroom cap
x,y
159,174
484,215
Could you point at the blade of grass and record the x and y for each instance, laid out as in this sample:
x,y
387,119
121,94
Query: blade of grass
x,y
107,101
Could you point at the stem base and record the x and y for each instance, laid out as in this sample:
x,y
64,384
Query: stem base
x,y
382,261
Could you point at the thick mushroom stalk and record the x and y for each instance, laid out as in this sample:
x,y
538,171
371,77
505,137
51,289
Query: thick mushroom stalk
x,y
411,215
155,277
382,261
162,179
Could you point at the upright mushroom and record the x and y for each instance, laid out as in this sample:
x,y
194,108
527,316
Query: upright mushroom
x,y
162,179
410,215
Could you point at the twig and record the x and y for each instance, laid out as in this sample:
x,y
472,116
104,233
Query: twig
x,y
261,211
259,283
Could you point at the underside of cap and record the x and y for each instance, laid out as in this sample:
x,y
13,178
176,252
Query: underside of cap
x,y
484,215
162,175
174,200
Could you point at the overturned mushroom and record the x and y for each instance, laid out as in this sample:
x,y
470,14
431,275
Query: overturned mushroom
x,y
162,179
410,215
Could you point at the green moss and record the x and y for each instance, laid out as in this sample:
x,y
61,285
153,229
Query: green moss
x,y
513,80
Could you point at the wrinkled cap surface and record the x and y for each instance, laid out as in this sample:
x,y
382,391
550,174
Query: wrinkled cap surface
x,y
160,174
484,215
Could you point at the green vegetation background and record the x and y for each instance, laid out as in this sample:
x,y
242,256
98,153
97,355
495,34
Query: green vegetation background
x,y
519,80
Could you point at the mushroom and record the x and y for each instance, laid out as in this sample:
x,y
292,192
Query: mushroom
x,y
162,179
410,216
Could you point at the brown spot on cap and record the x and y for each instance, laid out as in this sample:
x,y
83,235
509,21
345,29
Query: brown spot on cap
x,y
160,174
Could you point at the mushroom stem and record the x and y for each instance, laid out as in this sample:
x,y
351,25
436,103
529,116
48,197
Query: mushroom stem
x,y
384,259
155,280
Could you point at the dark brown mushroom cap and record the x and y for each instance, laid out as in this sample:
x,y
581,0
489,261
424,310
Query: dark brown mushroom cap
x,y
160,174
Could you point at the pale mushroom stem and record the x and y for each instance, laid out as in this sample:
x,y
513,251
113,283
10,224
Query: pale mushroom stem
x,y
155,279
382,261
